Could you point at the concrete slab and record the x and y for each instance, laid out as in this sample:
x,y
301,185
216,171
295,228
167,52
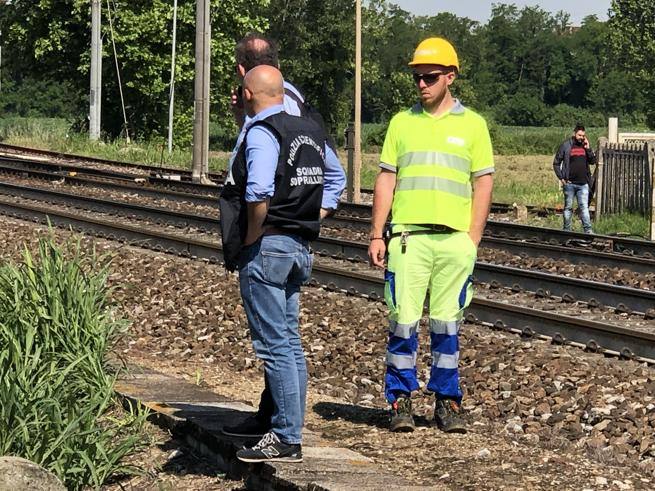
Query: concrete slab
x,y
197,415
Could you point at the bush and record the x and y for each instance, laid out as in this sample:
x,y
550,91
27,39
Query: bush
x,y
565,115
56,327
526,140
373,136
521,109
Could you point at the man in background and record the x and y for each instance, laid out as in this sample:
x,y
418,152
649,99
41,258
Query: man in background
x,y
572,167
252,51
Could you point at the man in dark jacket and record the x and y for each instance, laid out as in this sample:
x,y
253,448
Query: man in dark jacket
x,y
571,165
252,51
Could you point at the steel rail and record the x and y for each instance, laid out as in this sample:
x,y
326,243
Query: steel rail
x,y
544,284
575,255
113,186
562,329
84,171
517,232
623,245
572,255
121,208
155,169
528,322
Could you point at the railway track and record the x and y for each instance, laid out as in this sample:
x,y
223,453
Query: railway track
x,y
347,249
24,152
175,182
593,335
514,238
596,293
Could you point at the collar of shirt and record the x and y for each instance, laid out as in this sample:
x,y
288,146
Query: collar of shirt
x,y
458,108
278,108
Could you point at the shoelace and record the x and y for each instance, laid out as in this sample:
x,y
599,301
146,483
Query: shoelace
x,y
267,439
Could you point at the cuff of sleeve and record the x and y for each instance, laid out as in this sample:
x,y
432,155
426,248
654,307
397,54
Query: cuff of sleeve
x,y
330,205
389,167
257,198
483,172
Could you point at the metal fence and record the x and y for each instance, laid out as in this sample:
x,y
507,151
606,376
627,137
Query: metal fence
x,y
625,178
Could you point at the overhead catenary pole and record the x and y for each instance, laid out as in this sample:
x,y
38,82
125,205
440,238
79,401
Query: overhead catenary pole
x,y
172,86
201,90
95,94
357,164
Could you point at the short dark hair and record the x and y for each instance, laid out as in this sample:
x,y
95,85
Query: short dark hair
x,y
256,49
578,127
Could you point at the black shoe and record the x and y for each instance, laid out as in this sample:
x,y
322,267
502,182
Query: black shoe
x,y
271,449
447,414
251,427
401,415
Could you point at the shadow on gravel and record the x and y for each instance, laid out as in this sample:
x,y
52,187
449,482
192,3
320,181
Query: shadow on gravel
x,y
372,416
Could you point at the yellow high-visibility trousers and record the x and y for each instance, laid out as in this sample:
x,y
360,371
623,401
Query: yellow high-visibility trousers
x,y
441,264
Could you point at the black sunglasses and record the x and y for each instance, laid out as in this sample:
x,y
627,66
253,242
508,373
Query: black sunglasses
x,y
428,78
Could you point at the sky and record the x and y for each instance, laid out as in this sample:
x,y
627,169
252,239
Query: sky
x,y
481,9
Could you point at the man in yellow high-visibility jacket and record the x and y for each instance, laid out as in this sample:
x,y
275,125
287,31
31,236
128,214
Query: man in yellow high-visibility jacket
x,y
436,178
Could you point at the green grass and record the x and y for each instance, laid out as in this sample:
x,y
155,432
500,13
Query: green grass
x,y
57,402
629,224
54,135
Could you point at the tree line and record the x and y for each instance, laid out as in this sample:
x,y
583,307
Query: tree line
x,y
524,67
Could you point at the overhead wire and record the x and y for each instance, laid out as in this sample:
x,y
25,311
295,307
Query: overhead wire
x,y
118,71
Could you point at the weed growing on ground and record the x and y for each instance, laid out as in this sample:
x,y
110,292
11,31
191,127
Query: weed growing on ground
x,y
57,403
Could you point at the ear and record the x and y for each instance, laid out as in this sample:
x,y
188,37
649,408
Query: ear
x,y
247,94
241,70
450,78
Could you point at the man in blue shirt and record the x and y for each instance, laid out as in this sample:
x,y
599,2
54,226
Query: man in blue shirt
x,y
255,50
252,51
281,175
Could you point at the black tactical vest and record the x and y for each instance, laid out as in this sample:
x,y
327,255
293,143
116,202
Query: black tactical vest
x,y
296,203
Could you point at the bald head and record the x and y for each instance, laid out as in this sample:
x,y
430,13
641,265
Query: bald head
x,y
263,87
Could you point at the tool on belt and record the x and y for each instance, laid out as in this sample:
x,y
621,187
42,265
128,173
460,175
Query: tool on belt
x,y
428,229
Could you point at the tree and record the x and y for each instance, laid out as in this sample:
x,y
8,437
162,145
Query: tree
x,y
51,39
317,42
632,39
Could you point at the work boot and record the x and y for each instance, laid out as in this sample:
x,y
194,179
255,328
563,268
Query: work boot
x,y
401,415
447,414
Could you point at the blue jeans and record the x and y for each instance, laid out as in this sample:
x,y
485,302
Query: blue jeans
x,y
271,272
581,193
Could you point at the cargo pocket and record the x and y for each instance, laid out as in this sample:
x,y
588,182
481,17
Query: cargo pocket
x,y
466,293
390,289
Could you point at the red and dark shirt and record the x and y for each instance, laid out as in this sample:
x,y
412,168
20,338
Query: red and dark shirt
x,y
578,165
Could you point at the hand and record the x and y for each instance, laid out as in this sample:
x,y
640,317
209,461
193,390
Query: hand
x,y
236,99
564,182
236,104
376,252
476,237
586,143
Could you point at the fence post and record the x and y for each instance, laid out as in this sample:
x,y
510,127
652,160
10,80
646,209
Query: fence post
x,y
350,147
651,164
602,143
613,130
